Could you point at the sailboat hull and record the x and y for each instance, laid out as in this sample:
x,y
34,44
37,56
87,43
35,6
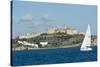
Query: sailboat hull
x,y
86,49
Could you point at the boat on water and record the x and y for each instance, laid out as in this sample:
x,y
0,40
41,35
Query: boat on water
x,y
86,45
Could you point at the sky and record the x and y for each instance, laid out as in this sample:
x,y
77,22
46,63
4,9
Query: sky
x,y
28,17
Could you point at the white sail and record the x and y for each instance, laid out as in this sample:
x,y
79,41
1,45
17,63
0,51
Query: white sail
x,y
86,45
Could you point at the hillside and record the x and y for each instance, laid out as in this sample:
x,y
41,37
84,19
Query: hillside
x,y
54,40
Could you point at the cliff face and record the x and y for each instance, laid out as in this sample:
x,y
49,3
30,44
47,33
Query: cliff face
x,y
54,41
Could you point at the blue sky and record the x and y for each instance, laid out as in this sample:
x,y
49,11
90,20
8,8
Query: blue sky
x,y
36,16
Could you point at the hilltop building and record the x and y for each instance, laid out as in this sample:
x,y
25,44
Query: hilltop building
x,y
68,30
26,36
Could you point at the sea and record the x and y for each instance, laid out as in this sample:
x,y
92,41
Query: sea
x,y
52,56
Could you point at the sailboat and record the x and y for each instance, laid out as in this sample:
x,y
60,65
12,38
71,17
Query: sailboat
x,y
86,45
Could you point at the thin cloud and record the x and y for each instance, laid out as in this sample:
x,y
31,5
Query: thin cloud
x,y
46,18
27,18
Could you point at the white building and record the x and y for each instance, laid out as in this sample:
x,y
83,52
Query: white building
x,y
44,43
72,32
69,30
34,34
29,44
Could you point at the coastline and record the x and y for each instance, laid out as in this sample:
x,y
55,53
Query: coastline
x,y
68,46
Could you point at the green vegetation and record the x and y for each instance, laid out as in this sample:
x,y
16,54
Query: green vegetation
x,y
54,40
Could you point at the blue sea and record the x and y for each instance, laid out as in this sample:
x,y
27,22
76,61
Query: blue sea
x,y
52,56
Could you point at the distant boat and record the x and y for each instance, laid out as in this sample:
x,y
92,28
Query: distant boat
x,y
86,45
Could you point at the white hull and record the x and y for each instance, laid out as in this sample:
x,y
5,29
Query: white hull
x,y
86,49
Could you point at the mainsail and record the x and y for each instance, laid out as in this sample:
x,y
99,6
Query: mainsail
x,y
87,40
